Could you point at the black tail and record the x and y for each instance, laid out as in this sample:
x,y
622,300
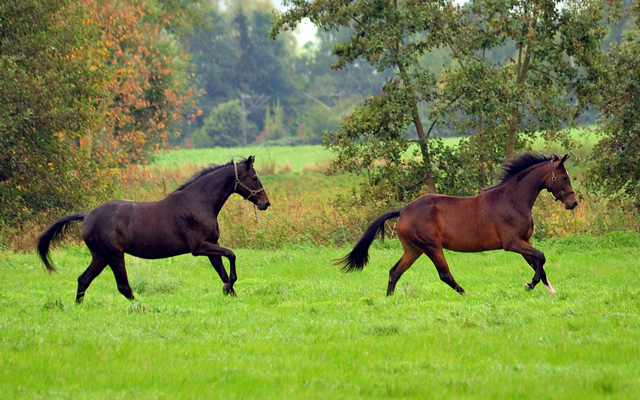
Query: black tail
x,y
57,230
359,256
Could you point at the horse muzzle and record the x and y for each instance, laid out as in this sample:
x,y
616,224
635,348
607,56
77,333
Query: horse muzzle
x,y
262,204
571,204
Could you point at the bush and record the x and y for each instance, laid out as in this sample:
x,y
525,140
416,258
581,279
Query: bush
x,y
223,127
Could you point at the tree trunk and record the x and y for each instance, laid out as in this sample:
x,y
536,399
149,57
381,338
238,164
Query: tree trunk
x,y
422,137
511,138
521,80
424,149
481,147
481,138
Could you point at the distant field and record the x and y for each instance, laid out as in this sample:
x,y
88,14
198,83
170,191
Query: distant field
x,y
300,329
295,159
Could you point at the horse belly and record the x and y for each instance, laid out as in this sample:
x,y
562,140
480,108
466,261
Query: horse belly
x,y
161,243
150,250
147,233
470,239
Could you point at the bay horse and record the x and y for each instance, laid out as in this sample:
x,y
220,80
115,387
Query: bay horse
x,y
499,217
183,222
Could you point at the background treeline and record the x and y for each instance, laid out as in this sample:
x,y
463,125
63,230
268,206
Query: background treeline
x,y
287,93
91,89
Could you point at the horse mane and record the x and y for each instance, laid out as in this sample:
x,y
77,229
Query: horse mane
x,y
203,172
525,161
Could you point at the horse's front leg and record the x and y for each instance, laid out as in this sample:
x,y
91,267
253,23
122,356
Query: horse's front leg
x,y
536,260
543,276
215,254
227,288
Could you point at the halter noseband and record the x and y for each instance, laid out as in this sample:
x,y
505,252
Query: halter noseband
x,y
251,191
554,180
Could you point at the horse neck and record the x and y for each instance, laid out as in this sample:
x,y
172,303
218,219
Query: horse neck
x,y
525,189
213,189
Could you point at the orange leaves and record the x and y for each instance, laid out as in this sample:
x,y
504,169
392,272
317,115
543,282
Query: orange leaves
x,y
143,94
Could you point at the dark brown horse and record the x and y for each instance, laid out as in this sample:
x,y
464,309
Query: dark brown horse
x,y
498,218
183,222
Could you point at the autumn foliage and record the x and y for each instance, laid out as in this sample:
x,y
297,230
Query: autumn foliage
x,y
89,90
144,84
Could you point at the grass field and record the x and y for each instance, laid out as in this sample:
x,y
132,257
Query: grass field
x,y
314,157
291,158
301,329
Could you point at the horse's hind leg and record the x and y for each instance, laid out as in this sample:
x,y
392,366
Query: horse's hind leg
x,y
409,256
116,262
436,255
95,268
216,261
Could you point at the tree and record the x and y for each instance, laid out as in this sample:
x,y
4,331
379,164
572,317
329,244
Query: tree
x,y
88,90
615,166
330,94
47,92
358,78
234,57
389,35
274,128
146,83
528,89
223,126
514,68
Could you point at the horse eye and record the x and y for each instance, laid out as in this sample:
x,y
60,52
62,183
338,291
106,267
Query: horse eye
x,y
564,178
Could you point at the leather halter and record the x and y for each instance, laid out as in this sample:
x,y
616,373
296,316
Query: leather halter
x,y
251,191
554,180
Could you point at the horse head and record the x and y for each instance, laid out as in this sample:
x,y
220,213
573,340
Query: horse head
x,y
248,184
559,184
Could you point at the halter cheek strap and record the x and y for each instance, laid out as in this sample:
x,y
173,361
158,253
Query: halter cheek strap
x,y
251,191
554,181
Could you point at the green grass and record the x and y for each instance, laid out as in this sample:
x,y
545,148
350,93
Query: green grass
x,y
302,329
296,157
299,157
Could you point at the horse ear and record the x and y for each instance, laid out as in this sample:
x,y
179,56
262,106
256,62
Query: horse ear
x,y
565,158
250,161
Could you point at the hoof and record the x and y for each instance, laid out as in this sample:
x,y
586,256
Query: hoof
x,y
528,286
229,291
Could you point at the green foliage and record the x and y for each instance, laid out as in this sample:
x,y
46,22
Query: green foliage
x,y
47,91
511,69
517,72
182,339
317,121
234,57
274,127
332,93
616,157
87,91
223,127
358,78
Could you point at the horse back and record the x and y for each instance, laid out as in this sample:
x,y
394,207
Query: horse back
x,y
464,224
